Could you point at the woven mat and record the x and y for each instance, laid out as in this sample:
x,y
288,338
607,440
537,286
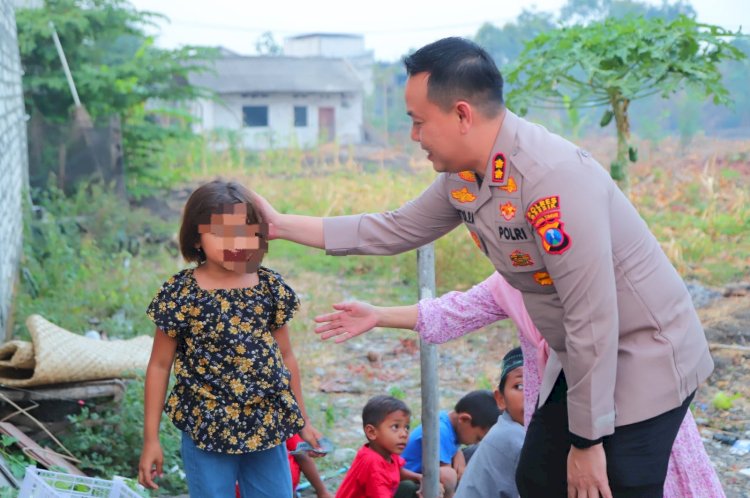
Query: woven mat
x,y
56,355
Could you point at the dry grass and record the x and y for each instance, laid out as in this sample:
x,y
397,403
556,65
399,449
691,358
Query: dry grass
x,y
695,201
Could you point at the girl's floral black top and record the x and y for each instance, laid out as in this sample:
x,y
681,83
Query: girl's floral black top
x,y
232,392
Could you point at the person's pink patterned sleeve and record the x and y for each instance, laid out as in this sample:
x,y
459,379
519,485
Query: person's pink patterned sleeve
x,y
457,313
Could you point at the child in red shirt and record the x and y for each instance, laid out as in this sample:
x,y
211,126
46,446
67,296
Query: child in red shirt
x,y
305,464
377,469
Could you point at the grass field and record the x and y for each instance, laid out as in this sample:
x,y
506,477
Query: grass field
x,y
92,262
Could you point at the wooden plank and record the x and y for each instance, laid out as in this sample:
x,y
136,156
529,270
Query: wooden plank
x,y
6,476
114,388
45,456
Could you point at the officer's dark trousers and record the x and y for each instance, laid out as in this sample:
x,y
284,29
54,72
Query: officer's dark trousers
x,y
637,454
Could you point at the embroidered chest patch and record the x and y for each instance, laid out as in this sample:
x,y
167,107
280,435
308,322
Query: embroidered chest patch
x,y
463,195
508,210
513,233
545,216
518,258
543,278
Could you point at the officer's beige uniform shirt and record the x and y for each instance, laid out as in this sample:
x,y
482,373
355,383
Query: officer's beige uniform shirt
x,y
617,316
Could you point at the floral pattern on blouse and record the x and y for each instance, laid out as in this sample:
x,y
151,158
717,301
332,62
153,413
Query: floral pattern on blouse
x,y
232,392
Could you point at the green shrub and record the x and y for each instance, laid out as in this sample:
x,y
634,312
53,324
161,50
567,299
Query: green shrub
x,y
91,261
108,442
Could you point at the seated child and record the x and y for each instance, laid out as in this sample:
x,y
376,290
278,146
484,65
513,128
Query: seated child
x,y
377,469
305,464
300,463
492,469
467,423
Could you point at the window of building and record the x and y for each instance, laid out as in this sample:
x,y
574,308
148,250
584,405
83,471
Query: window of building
x,y
300,116
255,115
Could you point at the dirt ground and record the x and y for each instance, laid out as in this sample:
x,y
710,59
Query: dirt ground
x,y
344,376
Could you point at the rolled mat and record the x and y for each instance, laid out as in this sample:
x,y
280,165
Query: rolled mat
x,y
56,356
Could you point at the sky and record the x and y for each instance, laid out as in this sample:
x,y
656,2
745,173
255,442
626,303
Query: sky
x,y
390,28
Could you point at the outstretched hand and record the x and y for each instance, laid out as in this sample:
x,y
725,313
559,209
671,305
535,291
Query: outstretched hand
x,y
352,319
267,213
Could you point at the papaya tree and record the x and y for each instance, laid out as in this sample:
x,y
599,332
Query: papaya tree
x,y
613,62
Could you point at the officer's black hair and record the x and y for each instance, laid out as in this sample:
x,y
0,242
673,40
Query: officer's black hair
x,y
379,407
459,69
481,406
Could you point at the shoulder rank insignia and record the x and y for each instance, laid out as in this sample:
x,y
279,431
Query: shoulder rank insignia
x,y
463,195
544,215
498,169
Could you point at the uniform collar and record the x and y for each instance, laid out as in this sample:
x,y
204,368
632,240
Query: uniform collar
x,y
505,144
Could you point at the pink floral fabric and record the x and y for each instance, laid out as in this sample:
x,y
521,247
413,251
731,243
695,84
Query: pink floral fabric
x,y
690,473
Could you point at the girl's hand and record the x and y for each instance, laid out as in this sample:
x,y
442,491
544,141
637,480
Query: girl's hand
x,y
311,435
267,213
352,319
150,465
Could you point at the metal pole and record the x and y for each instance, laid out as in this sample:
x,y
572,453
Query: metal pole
x,y
64,61
428,369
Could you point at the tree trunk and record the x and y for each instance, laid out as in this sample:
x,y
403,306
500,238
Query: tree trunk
x,y
619,168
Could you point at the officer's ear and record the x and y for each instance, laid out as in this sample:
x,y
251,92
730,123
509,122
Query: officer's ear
x,y
465,115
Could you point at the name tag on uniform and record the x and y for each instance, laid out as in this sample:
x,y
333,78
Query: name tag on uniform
x,y
512,233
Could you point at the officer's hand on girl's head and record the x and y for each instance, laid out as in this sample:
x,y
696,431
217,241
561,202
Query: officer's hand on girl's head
x,y
267,213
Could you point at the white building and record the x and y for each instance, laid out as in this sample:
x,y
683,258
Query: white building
x,y
344,46
279,101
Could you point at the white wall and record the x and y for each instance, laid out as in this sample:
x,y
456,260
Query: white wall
x,y
13,162
281,132
326,46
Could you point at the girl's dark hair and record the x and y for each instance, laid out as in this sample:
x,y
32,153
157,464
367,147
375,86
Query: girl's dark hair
x,y
459,69
210,198
379,407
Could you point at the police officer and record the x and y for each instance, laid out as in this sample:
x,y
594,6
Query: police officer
x,y
627,348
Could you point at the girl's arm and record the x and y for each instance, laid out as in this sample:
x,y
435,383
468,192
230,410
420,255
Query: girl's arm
x,y
308,433
157,380
436,320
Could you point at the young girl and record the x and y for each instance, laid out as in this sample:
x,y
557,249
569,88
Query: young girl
x,y
237,395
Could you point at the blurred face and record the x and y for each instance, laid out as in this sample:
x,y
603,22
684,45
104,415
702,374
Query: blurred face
x,y
467,433
437,131
230,242
511,399
391,435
